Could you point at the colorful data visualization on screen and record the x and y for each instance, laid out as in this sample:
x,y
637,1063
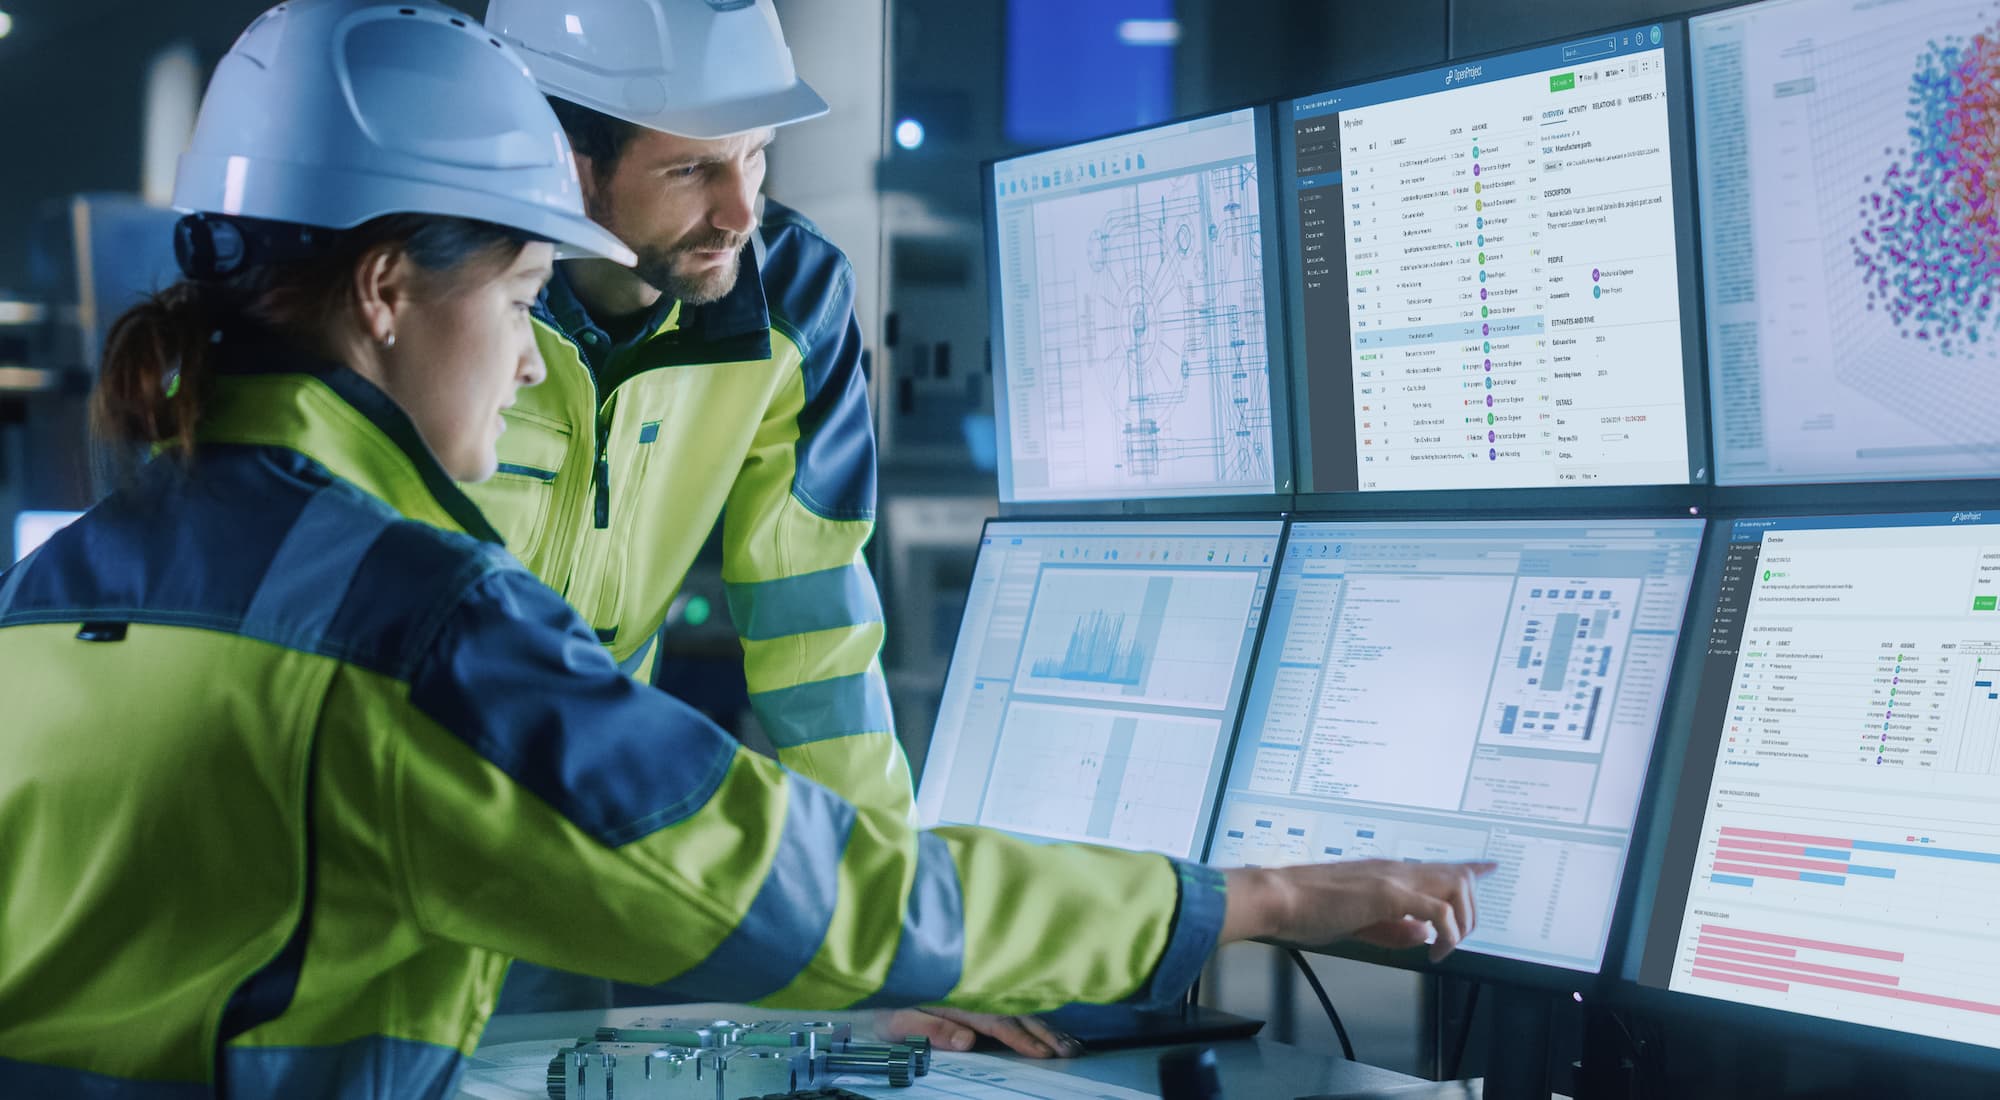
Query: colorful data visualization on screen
x,y
1130,288
1849,156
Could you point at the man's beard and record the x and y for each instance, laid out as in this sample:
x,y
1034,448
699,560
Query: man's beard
x,y
657,267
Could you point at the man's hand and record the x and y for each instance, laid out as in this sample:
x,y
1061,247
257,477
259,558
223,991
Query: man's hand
x,y
950,1029
1381,902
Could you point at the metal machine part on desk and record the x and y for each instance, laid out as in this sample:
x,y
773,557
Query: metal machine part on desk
x,y
692,1059
818,1037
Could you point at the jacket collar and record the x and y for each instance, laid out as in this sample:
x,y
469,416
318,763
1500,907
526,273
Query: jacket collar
x,y
735,327
269,393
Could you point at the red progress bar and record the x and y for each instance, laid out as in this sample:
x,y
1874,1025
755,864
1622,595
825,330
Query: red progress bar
x,y
1763,846
1719,958
1789,838
1795,941
1860,987
1760,948
1826,866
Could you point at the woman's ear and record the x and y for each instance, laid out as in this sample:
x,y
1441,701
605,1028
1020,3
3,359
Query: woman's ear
x,y
382,292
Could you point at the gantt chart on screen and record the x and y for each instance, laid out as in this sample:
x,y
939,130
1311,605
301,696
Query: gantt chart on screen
x,y
1132,298
1849,841
1447,691
1097,673
1490,274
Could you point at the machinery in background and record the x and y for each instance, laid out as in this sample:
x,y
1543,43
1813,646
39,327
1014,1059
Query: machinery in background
x,y
694,1059
91,257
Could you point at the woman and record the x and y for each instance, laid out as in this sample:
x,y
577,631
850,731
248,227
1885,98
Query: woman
x,y
298,758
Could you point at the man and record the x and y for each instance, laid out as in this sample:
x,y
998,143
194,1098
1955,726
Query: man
x,y
721,377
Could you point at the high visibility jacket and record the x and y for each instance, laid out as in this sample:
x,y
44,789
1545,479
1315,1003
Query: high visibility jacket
x,y
752,408
295,758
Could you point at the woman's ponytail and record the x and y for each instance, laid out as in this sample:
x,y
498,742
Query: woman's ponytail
x,y
155,374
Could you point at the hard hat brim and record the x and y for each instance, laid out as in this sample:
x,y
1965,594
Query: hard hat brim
x,y
716,120
335,199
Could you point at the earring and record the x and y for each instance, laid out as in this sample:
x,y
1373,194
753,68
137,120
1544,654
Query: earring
x,y
389,341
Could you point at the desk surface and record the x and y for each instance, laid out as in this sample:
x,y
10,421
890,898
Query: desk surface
x,y
1252,1069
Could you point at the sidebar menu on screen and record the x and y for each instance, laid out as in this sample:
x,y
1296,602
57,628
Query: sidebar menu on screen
x,y
1329,394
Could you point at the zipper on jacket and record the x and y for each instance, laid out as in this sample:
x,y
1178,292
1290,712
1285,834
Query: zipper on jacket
x,y
602,475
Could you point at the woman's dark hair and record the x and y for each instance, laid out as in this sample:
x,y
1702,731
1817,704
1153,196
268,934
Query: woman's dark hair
x,y
157,371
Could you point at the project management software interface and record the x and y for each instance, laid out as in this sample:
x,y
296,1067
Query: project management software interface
x,y
1131,289
1490,273
1835,849
1096,679
1450,691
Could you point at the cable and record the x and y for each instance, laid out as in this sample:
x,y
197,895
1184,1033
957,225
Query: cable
x,y
1325,1002
1641,1050
1464,1035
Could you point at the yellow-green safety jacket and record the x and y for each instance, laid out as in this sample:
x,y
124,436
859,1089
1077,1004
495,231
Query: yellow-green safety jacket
x,y
296,757
752,408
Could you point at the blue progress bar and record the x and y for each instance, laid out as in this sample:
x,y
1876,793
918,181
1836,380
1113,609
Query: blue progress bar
x,y
1829,880
1926,850
1828,853
1730,880
1871,872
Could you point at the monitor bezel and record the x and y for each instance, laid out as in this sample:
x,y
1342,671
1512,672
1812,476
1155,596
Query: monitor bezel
x,y
1470,965
1693,320
1278,346
1625,952
1233,718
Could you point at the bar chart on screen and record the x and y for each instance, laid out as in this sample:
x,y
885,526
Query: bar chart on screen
x,y
1166,637
1842,915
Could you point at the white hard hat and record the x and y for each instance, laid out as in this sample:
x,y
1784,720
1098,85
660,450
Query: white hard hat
x,y
334,112
697,68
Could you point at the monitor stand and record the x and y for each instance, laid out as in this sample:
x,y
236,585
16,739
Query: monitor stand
x,y
1116,1027
1517,1058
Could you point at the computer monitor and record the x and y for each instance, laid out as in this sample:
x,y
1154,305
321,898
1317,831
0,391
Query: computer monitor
x,y
1850,238
31,529
1097,678
1129,280
1465,690
1493,273
1832,845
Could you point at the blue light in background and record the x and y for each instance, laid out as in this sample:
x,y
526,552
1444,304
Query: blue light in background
x,y
1082,68
909,133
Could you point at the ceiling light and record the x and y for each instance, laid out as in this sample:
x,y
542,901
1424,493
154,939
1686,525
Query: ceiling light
x,y
1149,32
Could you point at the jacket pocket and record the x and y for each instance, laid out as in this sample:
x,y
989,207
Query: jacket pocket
x,y
519,499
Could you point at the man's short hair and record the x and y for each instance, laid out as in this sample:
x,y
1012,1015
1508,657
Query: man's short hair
x,y
594,134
